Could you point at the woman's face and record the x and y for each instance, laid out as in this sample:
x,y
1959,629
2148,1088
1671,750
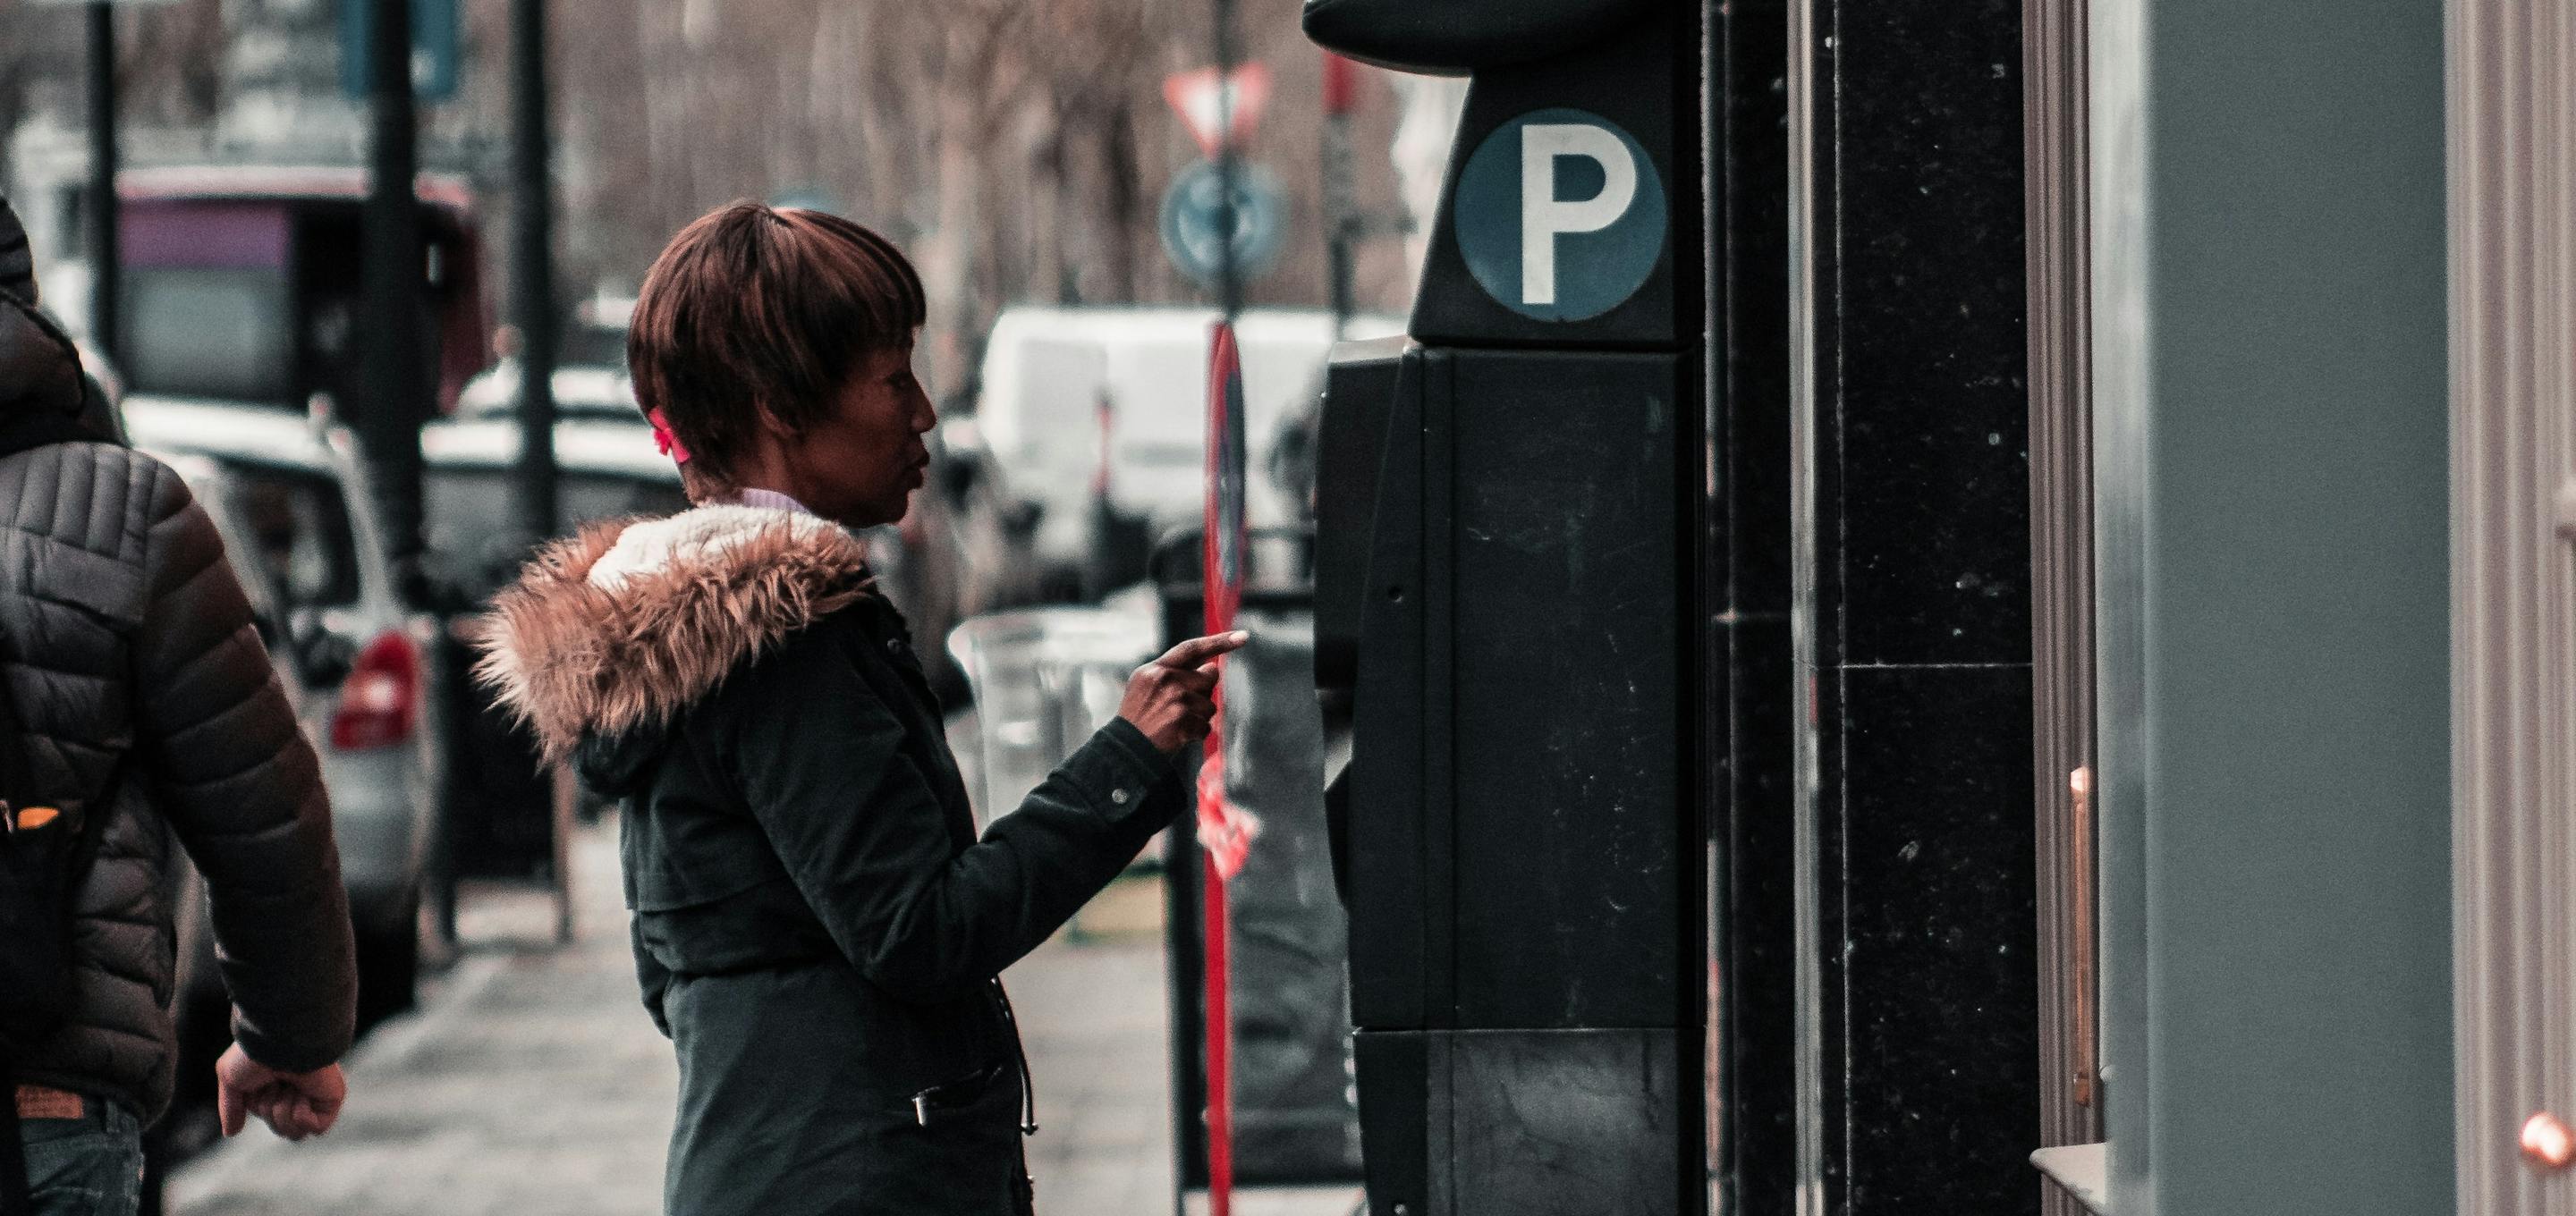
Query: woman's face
x,y
859,464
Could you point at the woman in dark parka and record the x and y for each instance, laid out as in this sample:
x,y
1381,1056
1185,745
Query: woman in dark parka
x,y
816,926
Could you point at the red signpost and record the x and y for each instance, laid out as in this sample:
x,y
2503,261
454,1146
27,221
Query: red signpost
x,y
1224,833
1220,106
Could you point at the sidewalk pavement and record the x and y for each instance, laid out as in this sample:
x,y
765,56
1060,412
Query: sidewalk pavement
x,y
531,1081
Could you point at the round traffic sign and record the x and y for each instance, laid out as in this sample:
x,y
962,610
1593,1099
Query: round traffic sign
x,y
1560,215
808,198
1192,222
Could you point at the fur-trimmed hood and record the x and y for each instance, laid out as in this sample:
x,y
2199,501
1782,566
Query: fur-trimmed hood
x,y
624,625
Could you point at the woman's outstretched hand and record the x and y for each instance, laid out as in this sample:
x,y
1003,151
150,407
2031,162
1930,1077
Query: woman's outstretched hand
x,y
1172,698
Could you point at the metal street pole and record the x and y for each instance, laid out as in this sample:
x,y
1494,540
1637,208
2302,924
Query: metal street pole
x,y
1340,193
100,94
388,422
532,235
1229,276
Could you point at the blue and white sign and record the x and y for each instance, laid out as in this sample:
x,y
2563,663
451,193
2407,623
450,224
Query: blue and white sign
x,y
1560,215
1193,221
808,198
435,48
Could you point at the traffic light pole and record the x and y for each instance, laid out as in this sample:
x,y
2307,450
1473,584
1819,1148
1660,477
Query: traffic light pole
x,y
532,234
100,97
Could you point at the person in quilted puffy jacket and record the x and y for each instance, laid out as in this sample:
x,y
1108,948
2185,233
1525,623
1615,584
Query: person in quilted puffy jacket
x,y
143,694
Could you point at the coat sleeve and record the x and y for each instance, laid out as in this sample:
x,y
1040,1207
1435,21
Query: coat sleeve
x,y
819,757
232,771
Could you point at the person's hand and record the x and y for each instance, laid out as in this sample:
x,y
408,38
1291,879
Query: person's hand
x,y
1172,699
293,1104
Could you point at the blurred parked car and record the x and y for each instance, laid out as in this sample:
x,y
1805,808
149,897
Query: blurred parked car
x,y
582,391
1294,452
301,534
597,335
1090,426
590,369
500,811
605,467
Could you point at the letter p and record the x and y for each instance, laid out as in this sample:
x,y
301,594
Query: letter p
x,y
1544,216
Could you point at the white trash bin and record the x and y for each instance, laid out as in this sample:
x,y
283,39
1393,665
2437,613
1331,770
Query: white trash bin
x,y
1044,679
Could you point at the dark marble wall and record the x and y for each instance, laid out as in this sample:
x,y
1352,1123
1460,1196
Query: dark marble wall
x,y
1922,378
1922,544
1921,617
1937,980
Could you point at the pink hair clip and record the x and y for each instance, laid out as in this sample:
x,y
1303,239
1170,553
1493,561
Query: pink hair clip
x,y
665,440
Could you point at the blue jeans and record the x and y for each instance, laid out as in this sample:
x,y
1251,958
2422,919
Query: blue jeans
x,y
89,1166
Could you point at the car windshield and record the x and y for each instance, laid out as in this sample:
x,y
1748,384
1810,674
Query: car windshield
x,y
303,549
212,333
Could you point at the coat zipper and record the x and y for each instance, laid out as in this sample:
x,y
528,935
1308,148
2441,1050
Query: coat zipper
x,y
1019,1048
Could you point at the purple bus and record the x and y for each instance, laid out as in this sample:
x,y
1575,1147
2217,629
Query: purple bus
x,y
243,283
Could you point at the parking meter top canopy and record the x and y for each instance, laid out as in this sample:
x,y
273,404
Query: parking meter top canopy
x,y
1442,37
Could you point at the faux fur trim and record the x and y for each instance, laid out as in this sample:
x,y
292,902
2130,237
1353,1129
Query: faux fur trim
x,y
695,537
629,622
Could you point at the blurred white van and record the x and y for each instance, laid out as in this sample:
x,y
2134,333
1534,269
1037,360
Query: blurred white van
x,y
1094,419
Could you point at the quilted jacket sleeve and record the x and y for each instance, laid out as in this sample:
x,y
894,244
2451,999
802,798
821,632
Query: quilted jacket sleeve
x,y
238,781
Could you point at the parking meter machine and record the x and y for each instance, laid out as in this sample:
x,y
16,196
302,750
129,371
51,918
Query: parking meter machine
x,y
1506,580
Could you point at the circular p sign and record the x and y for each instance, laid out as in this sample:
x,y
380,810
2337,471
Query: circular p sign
x,y
1560,215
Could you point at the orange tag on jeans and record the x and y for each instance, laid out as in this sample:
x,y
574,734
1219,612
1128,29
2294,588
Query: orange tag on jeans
x,y
39,1102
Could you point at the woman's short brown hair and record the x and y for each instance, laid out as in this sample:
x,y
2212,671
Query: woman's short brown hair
x,y
754,308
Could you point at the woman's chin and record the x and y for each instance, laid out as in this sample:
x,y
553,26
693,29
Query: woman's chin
x,y
878,514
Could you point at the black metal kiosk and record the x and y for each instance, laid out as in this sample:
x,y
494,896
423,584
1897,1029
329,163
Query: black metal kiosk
x,y
1509,516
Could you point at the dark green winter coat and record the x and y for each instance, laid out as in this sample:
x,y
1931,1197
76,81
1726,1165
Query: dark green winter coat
x,y
816,926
